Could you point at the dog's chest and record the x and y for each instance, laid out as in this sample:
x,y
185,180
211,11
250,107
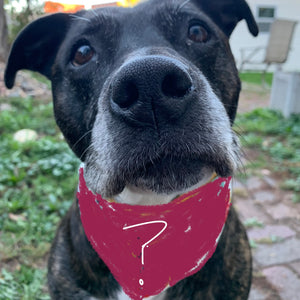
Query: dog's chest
x,y
122,296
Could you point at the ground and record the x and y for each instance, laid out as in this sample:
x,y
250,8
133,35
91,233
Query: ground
x,y
273,221
252,97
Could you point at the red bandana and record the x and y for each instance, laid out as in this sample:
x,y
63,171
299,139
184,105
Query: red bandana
x,y
148,248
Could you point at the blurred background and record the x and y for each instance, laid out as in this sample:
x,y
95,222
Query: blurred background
x,y
38,172
20,12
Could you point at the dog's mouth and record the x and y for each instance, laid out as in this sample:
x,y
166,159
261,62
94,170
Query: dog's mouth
x,y
168,174
164,167
149,180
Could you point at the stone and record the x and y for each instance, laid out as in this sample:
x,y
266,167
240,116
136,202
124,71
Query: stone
x,y
296,267
5,106
25,135
254,183
24,86
237,184
265,172
269,231
247,209
270,182
262,289
264,196
16,93
256,294
278,253
281,211
296,223
284,280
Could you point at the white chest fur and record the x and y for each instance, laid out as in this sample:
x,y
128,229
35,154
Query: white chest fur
x,y
123,296
134,196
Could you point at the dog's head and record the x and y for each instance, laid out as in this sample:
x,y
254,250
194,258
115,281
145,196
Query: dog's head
x,y
144,96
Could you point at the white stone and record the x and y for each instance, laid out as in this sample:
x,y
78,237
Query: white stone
x,y
25,135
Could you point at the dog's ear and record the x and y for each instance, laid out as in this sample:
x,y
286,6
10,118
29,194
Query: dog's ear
x,y
36,46
227,13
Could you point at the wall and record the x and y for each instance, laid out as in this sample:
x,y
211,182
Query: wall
x,y
241,38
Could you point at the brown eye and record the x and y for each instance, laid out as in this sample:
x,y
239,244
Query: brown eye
x,y
198,33
82,55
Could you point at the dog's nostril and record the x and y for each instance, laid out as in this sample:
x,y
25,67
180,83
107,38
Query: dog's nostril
x,y
144,89
126,95
176,85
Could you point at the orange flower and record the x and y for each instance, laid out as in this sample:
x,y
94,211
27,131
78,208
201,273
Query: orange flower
x,y
53,7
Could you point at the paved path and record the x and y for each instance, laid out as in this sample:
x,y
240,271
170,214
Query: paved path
x,y
276,252
275,234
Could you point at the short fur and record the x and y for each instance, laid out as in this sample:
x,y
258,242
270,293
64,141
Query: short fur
x,y
152,111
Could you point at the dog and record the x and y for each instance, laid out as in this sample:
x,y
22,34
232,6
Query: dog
x,y
145,97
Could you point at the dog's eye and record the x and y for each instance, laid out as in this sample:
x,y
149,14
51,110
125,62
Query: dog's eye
x,y
198,33
82,55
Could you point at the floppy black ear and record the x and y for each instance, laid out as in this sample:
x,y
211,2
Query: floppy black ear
x,y
227,13
36,46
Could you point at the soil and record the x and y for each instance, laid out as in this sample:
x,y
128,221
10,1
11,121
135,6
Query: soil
x,y
253,96
24,86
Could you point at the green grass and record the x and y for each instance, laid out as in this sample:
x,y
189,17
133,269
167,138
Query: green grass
x,y
37,185
40,78
278,141
256,78
24,283
253,222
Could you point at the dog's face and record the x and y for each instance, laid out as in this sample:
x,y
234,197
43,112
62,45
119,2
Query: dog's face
x,y
144,96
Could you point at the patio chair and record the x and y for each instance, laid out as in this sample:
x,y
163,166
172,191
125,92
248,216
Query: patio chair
x,y
277,49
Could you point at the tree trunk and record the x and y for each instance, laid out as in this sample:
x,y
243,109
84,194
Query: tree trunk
x,y
4,48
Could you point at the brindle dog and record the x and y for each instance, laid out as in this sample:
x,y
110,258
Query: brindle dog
x,y
145,97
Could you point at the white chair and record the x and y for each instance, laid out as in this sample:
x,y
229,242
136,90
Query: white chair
x,y
277,49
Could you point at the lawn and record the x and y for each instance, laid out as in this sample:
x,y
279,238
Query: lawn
x,y
38,180
257,78
277,140
37,185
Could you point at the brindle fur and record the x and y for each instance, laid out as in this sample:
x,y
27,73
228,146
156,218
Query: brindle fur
x,y
156,156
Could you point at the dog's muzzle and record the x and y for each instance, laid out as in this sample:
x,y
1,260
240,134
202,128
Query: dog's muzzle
x,y
159,127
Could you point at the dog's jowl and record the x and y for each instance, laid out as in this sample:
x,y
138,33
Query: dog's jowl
x,y
145,97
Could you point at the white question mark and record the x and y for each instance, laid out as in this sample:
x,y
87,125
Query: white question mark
x,y
141,281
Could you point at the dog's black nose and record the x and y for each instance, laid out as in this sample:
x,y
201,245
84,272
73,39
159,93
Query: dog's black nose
x,y
151,89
